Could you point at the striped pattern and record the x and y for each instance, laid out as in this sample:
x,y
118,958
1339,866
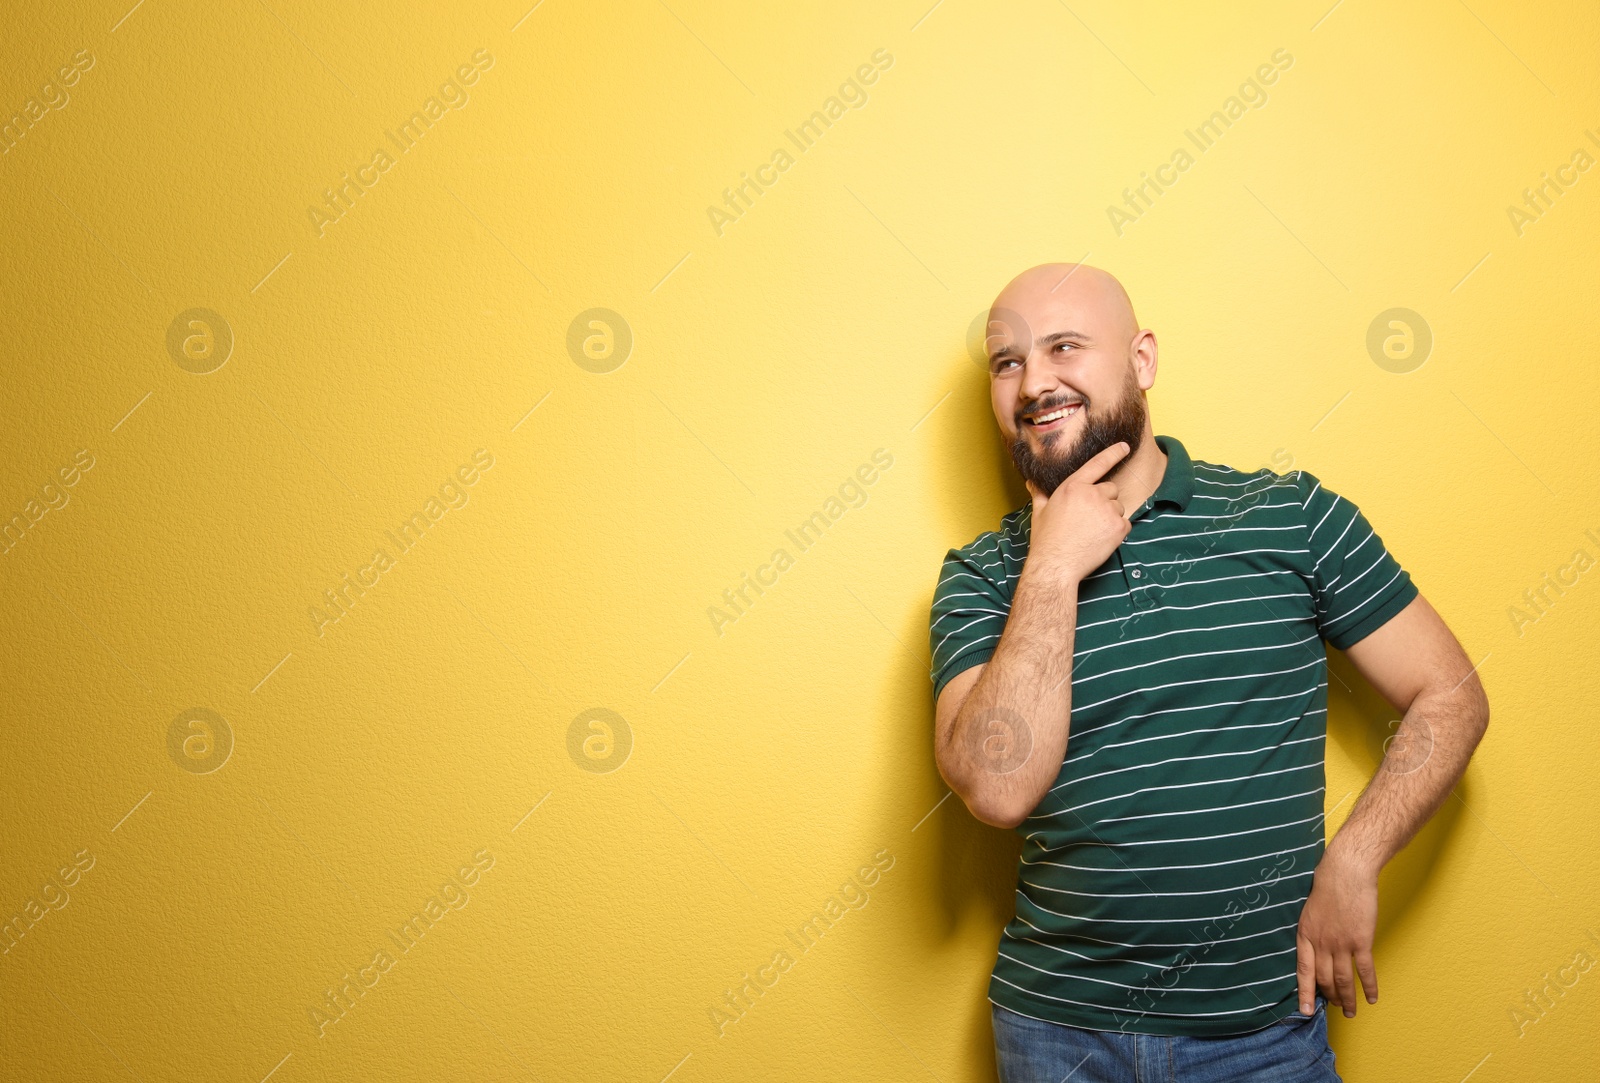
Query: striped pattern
x,y
1163,874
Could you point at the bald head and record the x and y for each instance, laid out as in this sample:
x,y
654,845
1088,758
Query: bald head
x,y
1076,286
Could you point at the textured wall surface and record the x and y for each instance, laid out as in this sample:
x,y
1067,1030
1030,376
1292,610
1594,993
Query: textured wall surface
x,y
392,392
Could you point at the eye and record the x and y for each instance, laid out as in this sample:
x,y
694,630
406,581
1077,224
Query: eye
x,y
1000,366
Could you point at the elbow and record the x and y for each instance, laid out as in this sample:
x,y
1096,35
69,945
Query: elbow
x,y
1477,705
997,813
995,809
992,809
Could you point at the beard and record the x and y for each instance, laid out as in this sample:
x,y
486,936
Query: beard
x,y
1123,420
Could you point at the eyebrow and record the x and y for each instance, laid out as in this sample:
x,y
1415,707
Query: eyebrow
x,y
1047,341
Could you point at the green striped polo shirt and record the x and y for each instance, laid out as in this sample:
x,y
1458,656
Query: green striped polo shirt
x,y
1163,873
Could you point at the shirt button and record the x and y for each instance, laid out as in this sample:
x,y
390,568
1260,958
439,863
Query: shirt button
x,y
1137,573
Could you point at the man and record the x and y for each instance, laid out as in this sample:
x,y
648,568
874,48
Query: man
x,y
1130,672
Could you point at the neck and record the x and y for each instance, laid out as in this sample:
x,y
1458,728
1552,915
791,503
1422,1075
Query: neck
x,y
1140,474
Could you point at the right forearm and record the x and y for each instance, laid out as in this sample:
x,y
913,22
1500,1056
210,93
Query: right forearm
x,y
1010,736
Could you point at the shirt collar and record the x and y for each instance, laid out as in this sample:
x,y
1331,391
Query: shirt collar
x,y
1177,484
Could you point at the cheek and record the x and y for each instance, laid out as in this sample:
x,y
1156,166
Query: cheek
x,y
1003,400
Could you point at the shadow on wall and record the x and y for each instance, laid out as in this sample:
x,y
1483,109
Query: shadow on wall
x,y
965,890
975,876
1360,720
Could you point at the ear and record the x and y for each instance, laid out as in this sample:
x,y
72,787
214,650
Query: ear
x,y
1145,355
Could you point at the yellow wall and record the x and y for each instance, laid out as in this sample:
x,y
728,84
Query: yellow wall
x,y
762,763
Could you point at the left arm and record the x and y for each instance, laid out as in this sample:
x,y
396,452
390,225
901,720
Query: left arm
x,y
1420,668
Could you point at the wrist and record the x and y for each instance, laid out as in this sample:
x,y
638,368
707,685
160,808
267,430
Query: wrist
x,y
1346,858
1050,576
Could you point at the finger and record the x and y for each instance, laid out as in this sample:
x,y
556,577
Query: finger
x,y
1325,974
1369,974
1305,972
1095,468
1038,497
1344,983
1113,493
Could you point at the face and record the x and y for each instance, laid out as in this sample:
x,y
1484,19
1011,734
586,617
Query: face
x,y
1067,368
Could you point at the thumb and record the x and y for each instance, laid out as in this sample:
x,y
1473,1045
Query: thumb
x,y
1033,490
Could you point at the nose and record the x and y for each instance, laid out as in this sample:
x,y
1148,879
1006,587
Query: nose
x,y
1039,377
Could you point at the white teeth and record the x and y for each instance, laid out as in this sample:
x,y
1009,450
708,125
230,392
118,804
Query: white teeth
x,y
1066,411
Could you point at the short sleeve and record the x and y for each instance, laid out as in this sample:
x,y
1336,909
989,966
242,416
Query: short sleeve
x,y
969,612
1358,584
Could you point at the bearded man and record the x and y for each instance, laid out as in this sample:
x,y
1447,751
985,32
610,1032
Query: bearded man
x,y
1130,672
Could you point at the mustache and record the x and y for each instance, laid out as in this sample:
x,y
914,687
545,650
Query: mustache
x,y
1044,406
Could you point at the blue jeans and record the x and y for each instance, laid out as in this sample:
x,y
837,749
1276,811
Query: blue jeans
x,y
1293,1050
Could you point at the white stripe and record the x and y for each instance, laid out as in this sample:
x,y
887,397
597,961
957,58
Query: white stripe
x,y
1164,988
1156,894
1208,533
1324,519
1353,612
1077,681
1180,786
1084,732
940,645
969,575
1191,608
975,643
1218,515
1008,934
1228,471
1381,555
1296,901
1216,808
1334,546
1219,556
1152,944
1317,661
1165,868
1185,583
1196,560
1184,759
1092,1004
1205,839
972,550
947,611
1286,722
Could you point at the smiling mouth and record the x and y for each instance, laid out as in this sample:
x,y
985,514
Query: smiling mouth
x,y
1053,419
